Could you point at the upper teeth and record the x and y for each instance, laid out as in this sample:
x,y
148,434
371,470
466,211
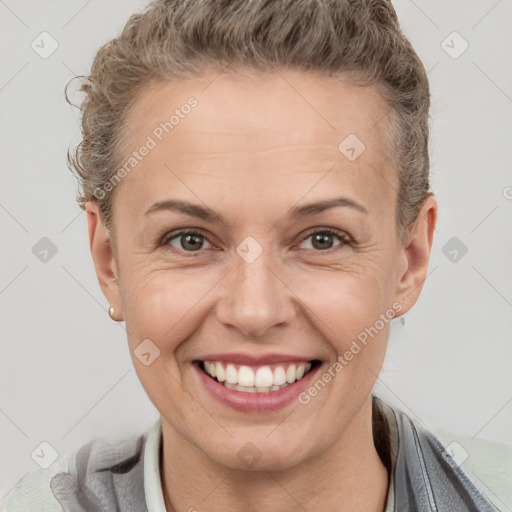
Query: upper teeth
x,y
261,377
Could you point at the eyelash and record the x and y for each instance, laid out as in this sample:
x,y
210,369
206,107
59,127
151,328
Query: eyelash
x,y
344,238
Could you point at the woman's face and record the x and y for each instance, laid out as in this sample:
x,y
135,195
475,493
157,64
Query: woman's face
x,y
262,283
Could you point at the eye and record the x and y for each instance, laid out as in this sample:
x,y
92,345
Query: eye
x,y
189,241
193,241
322,239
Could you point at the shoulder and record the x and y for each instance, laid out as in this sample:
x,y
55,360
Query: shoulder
x,y
484,465
85,476
32,492
433,467
488,463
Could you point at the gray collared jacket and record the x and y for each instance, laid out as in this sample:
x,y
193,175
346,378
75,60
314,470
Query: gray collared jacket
x,y
104,476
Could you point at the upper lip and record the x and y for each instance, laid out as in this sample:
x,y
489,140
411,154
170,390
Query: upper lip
x,y
253,359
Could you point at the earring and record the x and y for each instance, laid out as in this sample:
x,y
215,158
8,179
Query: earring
x,y
112,312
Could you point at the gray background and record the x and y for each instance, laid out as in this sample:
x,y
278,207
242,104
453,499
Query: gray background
x,y
65,371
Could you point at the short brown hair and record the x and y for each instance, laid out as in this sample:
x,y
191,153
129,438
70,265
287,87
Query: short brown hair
x,y
172,39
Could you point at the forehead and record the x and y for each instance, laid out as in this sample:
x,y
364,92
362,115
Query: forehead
x,y
259,133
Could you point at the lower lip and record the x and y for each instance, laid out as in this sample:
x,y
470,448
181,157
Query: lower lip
x,y
255,402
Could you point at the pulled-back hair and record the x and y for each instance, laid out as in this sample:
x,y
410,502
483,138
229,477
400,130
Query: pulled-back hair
x,y
358,39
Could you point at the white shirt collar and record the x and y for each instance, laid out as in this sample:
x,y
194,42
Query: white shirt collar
x,y
152,484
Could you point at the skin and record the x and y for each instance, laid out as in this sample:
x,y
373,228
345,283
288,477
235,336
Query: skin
x,y
251,150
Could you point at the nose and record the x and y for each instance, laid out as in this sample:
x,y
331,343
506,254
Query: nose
x,y
256,297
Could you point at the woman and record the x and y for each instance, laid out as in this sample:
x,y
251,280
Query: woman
x,y
256,181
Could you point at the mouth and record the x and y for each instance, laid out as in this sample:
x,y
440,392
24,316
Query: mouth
x,y
257,379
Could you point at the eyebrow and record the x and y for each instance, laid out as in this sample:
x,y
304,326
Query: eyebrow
x,y
207,214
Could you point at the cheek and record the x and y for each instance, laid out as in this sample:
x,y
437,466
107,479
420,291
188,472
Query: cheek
x,y
165,305
343,303
348,325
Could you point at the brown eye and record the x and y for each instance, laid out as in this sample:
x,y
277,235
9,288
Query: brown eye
x,y
322,240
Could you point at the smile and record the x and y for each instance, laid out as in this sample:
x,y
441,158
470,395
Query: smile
x,y
256,379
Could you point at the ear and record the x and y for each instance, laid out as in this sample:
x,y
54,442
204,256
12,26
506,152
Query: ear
x,y
103,256
415,256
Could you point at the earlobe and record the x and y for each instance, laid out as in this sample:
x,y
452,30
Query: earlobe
x,y
103,257
416,255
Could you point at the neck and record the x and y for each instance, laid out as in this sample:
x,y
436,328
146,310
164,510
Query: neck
x,y
349,476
